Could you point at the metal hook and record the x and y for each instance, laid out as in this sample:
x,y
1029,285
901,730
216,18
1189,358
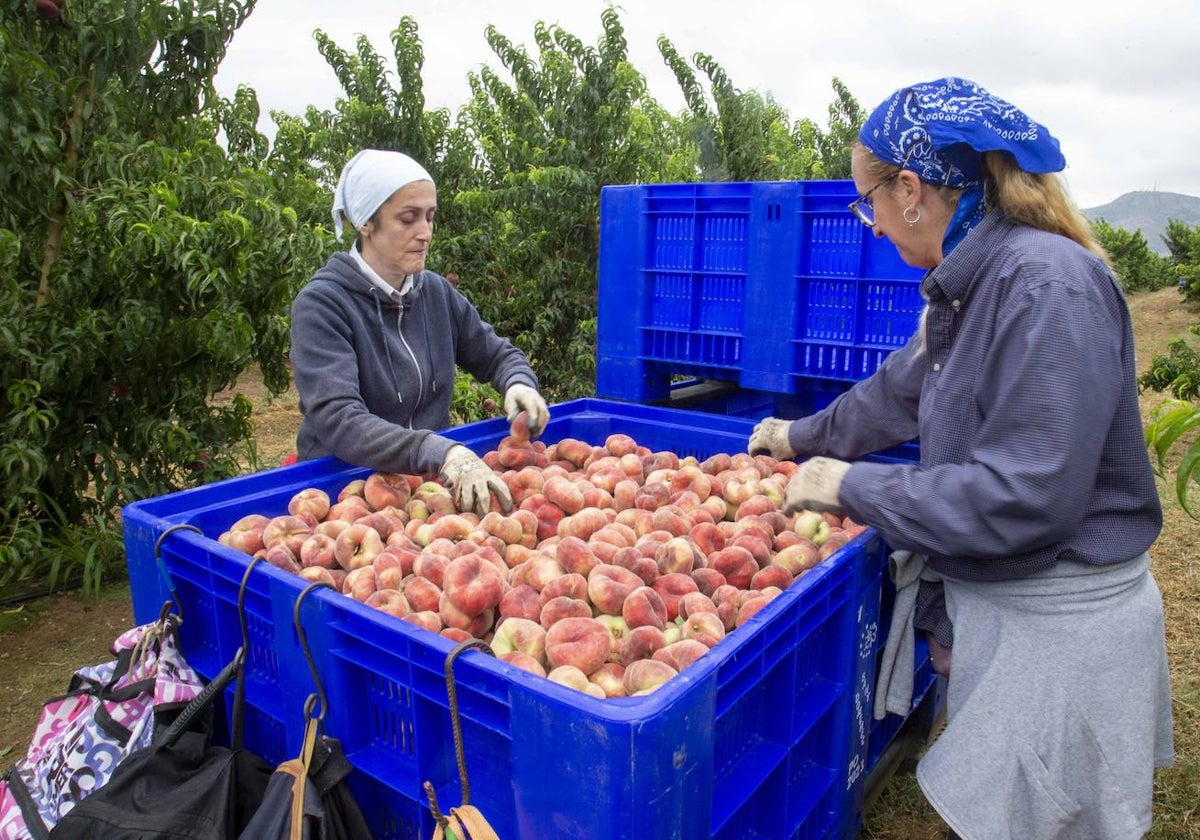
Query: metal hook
x,y
455,722
241,601
162,567
239,691
320,696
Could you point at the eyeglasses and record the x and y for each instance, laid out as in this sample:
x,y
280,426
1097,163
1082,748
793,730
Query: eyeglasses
x,y
862,206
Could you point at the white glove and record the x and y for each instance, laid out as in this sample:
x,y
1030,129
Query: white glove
x,y
473,483
816,486
770,436
520,398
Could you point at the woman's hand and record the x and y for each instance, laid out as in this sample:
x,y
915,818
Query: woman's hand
x,y
816,486
770,437
473,483
520,398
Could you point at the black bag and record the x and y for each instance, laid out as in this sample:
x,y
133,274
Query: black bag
x,y
307,797
181,787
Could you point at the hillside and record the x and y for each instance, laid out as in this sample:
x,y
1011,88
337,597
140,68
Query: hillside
x,y
1148,212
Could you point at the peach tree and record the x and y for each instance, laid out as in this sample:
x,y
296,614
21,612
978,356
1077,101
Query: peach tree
x,y
547,134
521,164
518,175
1171,433
1137,267
744,136
142,269
562,122
1183,246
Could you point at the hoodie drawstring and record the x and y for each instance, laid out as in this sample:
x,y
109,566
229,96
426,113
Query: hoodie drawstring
x,y
429,352
387,350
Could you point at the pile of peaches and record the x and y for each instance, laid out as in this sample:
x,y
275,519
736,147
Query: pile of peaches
x,y
616,569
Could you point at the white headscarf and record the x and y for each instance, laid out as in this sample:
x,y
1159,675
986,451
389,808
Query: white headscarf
x,y
368,181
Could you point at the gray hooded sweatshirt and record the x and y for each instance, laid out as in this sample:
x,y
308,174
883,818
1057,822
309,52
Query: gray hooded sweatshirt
x,y
375,376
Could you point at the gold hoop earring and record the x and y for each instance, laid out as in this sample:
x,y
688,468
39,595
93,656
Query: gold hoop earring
x,y
912,221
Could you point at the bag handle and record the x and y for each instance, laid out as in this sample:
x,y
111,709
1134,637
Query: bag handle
x,y
202,701
467,823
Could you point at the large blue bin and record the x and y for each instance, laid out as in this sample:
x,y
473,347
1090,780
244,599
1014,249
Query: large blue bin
x,y
756,739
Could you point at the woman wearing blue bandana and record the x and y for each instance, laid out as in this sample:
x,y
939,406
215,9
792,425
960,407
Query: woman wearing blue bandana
x,y
376,338
1034,503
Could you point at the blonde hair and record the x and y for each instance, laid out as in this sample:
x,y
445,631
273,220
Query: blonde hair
x,y
1037,200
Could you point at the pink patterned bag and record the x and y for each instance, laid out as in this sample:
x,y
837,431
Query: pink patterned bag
x,y
109,711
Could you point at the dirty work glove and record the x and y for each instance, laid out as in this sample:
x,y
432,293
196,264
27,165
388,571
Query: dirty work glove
x,y
815,486
473,483
520,398
770,437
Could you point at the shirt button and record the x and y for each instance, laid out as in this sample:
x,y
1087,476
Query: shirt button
x,y
956,304
936,367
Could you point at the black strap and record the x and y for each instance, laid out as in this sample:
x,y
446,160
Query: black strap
x,y
201,701
128,692
29,810
113,729
168,624
89,685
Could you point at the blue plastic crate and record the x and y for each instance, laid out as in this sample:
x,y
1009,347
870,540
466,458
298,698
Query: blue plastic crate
x,y
753,740
768,285
680,265
870,738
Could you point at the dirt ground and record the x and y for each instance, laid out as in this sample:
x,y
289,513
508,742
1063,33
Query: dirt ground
x,y
43,640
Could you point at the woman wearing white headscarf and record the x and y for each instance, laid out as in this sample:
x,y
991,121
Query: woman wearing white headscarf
x,y
376,338
1034,502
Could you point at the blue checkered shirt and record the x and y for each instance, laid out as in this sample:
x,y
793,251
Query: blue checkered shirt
x,y
1022,389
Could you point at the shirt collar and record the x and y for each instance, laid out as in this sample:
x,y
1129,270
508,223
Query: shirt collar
x,y
384,286
951,279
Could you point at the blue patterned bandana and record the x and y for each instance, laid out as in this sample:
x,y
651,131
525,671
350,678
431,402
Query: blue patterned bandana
x,y
941,128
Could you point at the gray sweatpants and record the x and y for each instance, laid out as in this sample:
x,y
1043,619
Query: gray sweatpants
x,y
1058,706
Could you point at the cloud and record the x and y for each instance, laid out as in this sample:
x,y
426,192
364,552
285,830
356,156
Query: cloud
x,y
1117,83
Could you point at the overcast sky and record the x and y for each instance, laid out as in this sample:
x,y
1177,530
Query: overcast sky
x,y
1117,82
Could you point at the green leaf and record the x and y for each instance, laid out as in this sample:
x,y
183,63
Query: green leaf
x,y
1170,421
1187,473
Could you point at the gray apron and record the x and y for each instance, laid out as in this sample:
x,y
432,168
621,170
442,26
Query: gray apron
x,y
1058,706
